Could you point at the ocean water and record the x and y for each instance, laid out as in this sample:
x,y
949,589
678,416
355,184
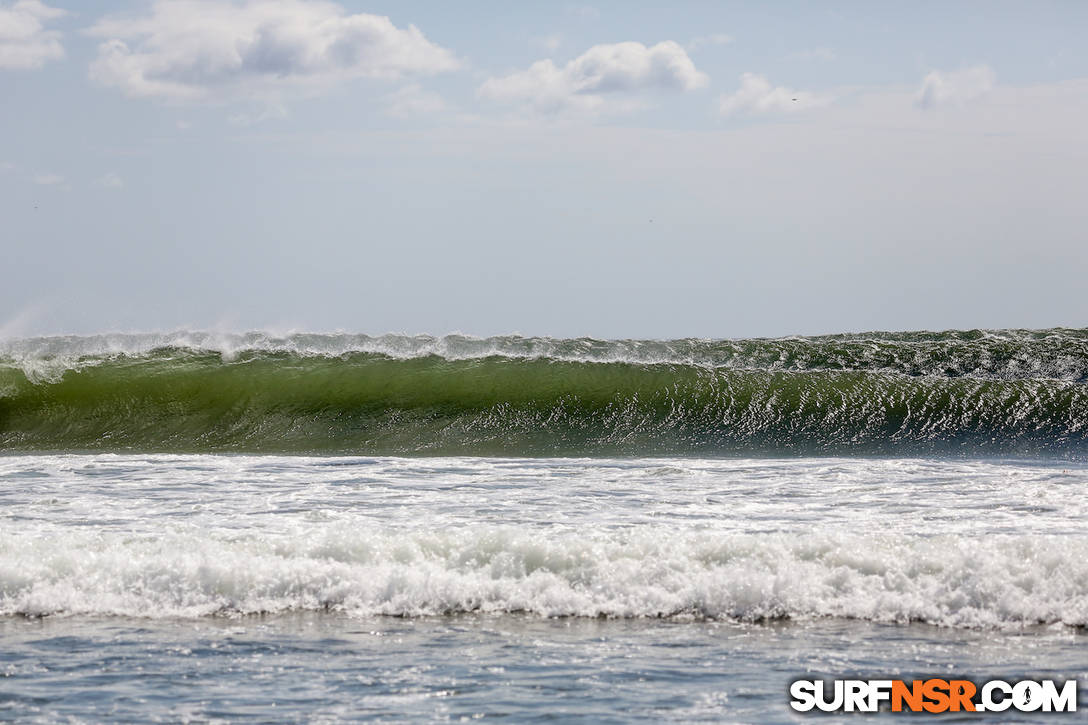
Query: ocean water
x,y
330,527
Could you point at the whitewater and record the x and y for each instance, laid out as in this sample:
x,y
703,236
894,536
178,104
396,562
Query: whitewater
x,y
330,527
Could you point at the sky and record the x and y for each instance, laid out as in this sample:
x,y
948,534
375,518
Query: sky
x,y
700,169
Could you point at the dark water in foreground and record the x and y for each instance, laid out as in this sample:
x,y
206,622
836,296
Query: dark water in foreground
x,y
329,668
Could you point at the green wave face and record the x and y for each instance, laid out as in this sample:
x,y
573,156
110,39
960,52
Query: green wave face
x,y
1004,393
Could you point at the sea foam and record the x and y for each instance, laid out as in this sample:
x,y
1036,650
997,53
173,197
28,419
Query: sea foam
x,y
956,581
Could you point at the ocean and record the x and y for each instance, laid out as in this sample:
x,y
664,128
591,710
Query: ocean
x,y
324,527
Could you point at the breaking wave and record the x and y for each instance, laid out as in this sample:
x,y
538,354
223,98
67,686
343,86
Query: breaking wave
x,y
961,393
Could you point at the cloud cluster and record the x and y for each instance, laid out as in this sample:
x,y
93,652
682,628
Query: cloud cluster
x,y
602,71
24,41
183,50
954,87
264,53
756,95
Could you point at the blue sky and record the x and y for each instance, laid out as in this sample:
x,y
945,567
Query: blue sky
x,y
606,169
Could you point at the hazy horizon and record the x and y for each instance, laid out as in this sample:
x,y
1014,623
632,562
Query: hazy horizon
x,y
12,332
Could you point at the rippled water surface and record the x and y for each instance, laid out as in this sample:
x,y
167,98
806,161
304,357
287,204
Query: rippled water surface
x,y
330,668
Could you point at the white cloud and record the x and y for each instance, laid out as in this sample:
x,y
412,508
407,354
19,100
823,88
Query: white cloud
x,y
25,44
603,70
756,95
7,166
191,50
955,87
712,39
110,181
46,178
412,100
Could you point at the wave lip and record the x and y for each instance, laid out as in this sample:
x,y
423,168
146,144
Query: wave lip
x,y
1014,581
1058,353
